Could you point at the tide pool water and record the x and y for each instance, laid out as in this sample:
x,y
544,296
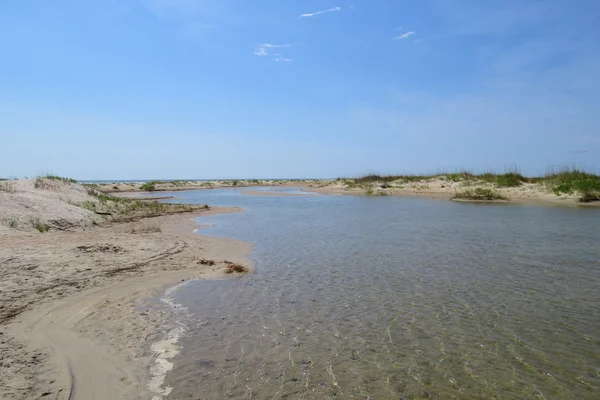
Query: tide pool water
x,y
395,298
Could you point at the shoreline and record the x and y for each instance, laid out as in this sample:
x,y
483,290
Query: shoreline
x,y
95,339
515,197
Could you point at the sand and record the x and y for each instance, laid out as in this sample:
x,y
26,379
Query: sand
x,y
437,188
527,193
76,321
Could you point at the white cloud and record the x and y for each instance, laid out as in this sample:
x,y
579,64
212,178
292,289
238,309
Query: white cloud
x,y
261,51
276,46
404,35
264,50
334,9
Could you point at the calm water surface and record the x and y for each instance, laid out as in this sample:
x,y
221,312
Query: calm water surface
x,y
396,298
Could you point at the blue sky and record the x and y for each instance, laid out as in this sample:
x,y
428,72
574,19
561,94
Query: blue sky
x,y
120,89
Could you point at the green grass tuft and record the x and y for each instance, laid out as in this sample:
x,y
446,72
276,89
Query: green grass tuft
x,y
479,194
568,180
39,225
589,196
146,229
149,186
11,222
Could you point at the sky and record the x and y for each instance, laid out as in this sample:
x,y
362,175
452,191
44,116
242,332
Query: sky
x,y
159,89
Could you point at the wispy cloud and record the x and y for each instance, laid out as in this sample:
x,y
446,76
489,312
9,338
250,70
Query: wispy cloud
x,y
405,35
334,9
276,46
261,51
264,50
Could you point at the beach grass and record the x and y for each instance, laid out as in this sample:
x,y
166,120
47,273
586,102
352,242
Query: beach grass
x,y
7,186
128,209
11,222
480,194
39,225
51,181
145,229
567,180
149,186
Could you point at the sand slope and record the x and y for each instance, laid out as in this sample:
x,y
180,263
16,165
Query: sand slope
x,y
53,205
75,322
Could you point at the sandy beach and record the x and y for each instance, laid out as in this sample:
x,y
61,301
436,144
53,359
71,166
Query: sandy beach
x,y
80,269
75,316
435,187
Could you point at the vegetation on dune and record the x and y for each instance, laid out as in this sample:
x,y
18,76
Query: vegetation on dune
x,y
509,179
127,209
7,186
51,181
11,222
149,186
479,194
565,180
39,225
572,180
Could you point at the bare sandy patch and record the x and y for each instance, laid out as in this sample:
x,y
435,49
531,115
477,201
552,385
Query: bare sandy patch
x,y
75,321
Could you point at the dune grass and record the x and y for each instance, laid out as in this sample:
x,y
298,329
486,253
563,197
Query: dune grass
x,y
42,227
484,194
145,229
128,209
510,178
11,222
7,186
566,180
51,181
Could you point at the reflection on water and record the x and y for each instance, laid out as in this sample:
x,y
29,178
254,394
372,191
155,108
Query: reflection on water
x,y
396,298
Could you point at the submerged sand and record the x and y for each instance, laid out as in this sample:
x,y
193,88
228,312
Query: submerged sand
x,y
75,317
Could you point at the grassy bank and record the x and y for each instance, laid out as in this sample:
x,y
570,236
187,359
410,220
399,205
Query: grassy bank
x,y
563,181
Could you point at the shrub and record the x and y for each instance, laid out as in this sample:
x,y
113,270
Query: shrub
x,y
570,180
148,186
589,196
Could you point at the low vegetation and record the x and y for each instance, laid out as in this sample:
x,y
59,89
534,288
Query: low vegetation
x,y
479,194
564,181
41,227
51,181
127,209
11,222
152,185
572,180
149,186
7,186
146,229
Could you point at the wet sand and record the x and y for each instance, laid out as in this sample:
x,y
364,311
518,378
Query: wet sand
x,y
75,316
